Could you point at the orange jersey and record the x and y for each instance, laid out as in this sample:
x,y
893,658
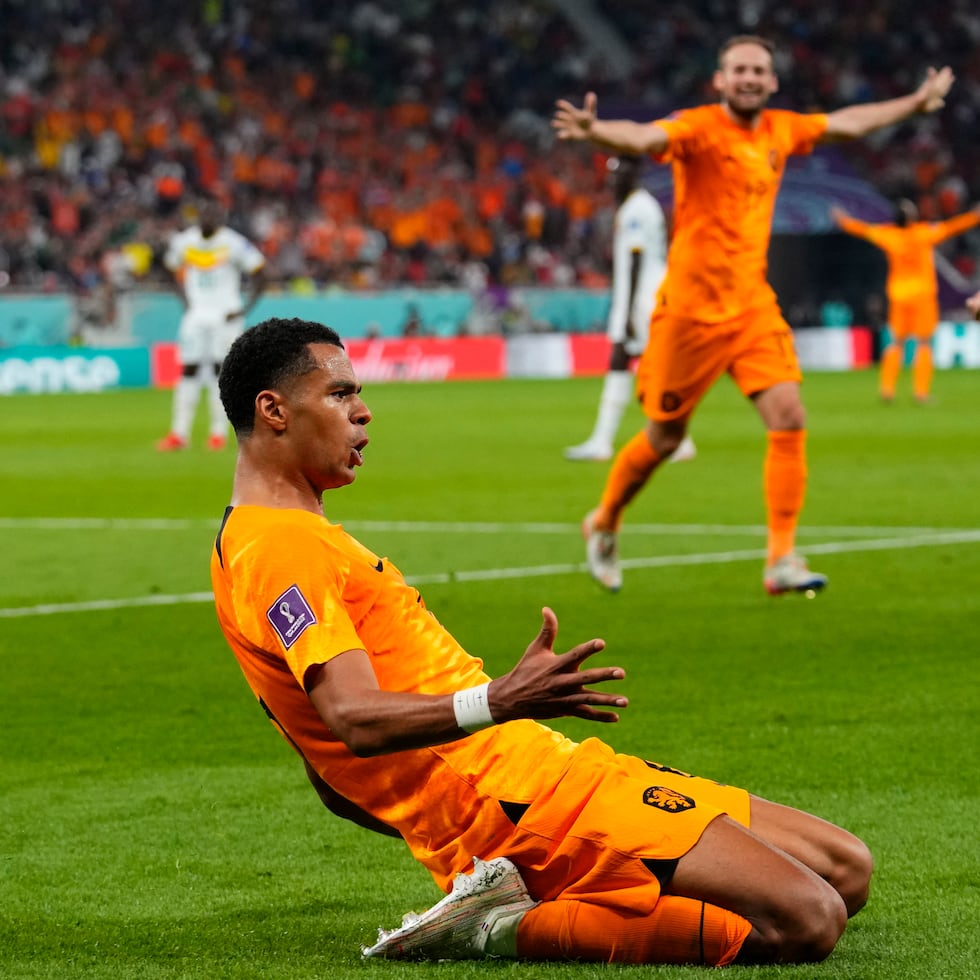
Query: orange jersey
x,y
725,183
909,250
292,591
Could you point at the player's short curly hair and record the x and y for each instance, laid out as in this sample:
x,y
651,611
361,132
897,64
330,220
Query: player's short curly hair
x,y
762,42
263,358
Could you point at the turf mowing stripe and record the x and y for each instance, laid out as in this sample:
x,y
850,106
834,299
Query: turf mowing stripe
x,y
534,571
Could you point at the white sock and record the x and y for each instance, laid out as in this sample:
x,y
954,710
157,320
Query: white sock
x,y
617,389
219,421
502,931
185,403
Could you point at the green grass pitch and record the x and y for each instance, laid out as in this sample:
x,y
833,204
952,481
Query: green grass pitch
x,y
153,825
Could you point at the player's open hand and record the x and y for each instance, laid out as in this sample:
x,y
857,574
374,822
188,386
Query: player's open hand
x,y
973,305
545,684
932,92
570,123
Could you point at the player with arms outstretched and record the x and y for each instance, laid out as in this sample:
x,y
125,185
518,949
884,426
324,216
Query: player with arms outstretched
x,y
715,311
912,288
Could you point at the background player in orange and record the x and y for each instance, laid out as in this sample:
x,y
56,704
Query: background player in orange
x,y
715,311
912,290
581,853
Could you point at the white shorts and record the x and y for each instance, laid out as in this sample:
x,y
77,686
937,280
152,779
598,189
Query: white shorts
x,y
205,336
636,344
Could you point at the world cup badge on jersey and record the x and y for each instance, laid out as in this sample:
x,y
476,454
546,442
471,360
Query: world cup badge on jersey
x,y
290,615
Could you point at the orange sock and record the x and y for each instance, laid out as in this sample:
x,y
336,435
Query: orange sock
x,y
678,930
629,472
891,364
784,483
922,371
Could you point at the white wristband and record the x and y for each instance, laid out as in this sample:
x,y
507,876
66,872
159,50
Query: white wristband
x,y
472,708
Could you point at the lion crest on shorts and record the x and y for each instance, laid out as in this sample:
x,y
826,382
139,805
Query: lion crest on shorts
x,y
668,800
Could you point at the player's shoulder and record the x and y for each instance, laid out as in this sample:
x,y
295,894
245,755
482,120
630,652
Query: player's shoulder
x,y
793,121
228,235
180,239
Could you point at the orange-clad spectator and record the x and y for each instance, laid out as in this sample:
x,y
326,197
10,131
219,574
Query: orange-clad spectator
x,y
234,66
62,123
319,239
443,216
274,123
408,224
409,115
121,119
304,85
532,216
158,128
274,172
65,220
208,166
491,197
169,185
243,168
476,238
277,231
95,120
353,237
911,287
190,131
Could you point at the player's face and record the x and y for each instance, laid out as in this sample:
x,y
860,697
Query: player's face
x,y
211,217
326,420
745,80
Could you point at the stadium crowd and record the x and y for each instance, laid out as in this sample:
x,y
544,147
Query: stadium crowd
x,y
375,142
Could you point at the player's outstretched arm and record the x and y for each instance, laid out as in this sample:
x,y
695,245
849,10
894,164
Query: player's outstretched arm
x,y
543,684
619,135
856,121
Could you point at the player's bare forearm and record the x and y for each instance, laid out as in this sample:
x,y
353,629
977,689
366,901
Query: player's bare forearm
x,y
856,121
619,135
627,136
542,685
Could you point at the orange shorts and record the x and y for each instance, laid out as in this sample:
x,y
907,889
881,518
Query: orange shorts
x,y
913,318
684,358
614,827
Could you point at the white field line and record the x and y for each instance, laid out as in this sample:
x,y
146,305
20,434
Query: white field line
x,y
924,540
442,527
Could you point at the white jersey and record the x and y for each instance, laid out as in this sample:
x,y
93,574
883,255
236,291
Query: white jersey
x,y
639,229
212,267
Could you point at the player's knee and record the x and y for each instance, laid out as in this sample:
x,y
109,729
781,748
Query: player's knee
x,y
803,932
852,875
665,438
790,415
190,370
813,934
